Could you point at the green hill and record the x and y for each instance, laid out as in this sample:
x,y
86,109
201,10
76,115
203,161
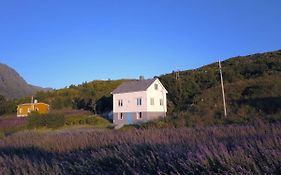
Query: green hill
x,y
252,88
94,96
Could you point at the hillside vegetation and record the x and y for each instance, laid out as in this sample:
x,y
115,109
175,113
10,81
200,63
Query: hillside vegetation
x,y
252,86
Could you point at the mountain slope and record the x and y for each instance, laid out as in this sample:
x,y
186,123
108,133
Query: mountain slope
x,y
252,89
12,85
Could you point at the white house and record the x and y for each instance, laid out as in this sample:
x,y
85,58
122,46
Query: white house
x,y
139,101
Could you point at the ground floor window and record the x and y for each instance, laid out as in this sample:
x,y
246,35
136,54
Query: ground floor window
x,y
161,102
139,115
120,116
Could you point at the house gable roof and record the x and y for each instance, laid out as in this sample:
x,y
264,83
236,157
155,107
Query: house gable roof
x,y
159,82
134,86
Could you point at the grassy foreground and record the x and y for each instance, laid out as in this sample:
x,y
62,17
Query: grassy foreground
x,y
254,149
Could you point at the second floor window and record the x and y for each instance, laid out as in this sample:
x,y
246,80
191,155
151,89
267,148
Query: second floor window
x,y
156,86
120,103
139,101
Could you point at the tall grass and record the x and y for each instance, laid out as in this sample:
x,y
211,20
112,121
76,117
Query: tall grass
x,y
254,149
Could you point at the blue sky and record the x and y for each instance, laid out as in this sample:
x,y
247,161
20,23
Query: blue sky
x,y
55,43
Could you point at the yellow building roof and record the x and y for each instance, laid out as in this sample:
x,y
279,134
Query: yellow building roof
x,y
28,104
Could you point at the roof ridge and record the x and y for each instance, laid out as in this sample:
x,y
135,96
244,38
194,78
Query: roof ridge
x,y
134,86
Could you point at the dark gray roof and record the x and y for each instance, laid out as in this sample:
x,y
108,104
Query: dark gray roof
x,y
133,86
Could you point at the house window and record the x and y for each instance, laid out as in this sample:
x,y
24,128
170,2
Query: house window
x,y
156,86
139,101
139,115
151,101
121,116
20,110
28,110
161,102
120,103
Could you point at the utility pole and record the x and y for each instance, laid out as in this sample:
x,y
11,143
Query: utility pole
x,y
222,89
177,75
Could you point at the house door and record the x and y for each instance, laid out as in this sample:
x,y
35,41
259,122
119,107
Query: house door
x,y
130,118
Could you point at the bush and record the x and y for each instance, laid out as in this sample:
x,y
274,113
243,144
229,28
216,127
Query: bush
x,y
52,120
93,120
97,121
55,120
35,120
75,120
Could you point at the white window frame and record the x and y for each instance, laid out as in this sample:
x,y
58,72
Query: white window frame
x,y
139,115
156,86
120,116
139,101
152,102
161,102
120,103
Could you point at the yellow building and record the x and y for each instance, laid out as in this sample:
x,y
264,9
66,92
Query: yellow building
x,y
23,110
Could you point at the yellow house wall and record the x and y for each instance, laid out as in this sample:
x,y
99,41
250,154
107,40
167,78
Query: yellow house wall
x,y
25,109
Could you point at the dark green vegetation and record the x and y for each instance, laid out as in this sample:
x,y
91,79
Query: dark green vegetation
x,y
93,96
12,85
59,119
252,149
252,86
54,120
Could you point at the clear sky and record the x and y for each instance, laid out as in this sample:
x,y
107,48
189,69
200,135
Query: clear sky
x,y
55,43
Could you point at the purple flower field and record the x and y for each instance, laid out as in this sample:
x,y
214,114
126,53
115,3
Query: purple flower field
x,y
12,122
215,150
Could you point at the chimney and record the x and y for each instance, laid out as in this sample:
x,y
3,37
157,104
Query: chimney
x,y
31,99
141,77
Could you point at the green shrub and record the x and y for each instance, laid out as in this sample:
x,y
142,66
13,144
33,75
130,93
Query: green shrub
x,y
52,120
93,120
35,120
75,120
97,121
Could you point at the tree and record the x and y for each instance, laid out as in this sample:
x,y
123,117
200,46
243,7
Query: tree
x,y
2,105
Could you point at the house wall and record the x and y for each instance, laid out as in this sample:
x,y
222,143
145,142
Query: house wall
x,y
158,94
146,116
42,108
149,112
130,102
22,110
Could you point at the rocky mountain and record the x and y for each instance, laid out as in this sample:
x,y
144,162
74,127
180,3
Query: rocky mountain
x,y
12,85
